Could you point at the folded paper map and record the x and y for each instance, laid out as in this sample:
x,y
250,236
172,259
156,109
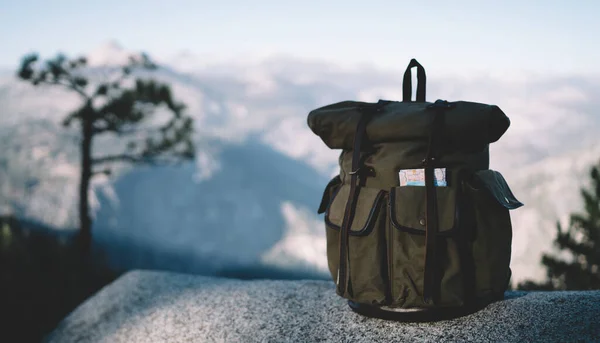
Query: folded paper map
x,y
416,177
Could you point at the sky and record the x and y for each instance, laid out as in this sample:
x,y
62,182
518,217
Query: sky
x,y
465,36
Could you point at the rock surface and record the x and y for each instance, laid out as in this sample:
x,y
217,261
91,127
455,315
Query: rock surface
x,y
144,306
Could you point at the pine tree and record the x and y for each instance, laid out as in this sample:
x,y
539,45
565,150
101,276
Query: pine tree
x,y
117,105
582,240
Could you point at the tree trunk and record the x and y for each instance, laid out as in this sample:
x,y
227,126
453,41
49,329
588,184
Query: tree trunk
x,y
85,233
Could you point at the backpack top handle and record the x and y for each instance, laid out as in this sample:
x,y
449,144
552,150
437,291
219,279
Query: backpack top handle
x,y
407,82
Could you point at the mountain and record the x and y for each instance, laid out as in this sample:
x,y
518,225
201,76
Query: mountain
x,y
250,198
110,53
235,215
550,190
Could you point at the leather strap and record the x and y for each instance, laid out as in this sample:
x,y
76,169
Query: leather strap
x,y
467,224
407,82
344,270
430,277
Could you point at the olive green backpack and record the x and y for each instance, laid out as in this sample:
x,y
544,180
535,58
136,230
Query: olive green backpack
x,y
417,225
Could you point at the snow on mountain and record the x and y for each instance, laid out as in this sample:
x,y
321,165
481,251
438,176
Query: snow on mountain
x,y
19,102
37,171
251,195
109,53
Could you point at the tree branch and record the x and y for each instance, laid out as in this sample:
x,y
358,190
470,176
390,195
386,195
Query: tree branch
x,y
70,86
154,160
103,172
120,158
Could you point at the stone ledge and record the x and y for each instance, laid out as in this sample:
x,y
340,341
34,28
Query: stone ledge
x,y
147,306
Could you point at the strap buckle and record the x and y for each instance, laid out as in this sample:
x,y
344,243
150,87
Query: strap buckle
x,y
427,161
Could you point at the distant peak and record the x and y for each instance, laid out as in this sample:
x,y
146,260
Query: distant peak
x,y
109,53
186,54
111,45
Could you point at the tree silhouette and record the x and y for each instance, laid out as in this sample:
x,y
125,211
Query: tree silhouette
x,y
582,241
119,105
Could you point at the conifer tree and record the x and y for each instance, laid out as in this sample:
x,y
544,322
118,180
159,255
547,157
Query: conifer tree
x,y
117,105
581,239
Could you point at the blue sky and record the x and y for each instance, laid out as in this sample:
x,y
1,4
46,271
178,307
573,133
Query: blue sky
x,y
500,36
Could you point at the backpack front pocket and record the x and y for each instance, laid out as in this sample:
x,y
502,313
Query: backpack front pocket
x,y
406,237
366,265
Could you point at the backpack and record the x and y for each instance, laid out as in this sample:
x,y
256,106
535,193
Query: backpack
x,y
417,225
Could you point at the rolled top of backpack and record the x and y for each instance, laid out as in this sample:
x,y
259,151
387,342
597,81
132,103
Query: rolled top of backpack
x,y
466,124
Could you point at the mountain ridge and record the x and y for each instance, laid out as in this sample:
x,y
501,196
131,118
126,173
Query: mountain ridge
x,y
550,117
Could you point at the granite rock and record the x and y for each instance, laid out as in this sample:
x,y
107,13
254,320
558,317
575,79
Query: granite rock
x,y
148,306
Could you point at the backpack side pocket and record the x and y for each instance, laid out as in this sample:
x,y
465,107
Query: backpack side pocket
x,y
366,244
492,199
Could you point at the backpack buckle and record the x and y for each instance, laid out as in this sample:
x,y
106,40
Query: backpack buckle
x,y
427,161
367,170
